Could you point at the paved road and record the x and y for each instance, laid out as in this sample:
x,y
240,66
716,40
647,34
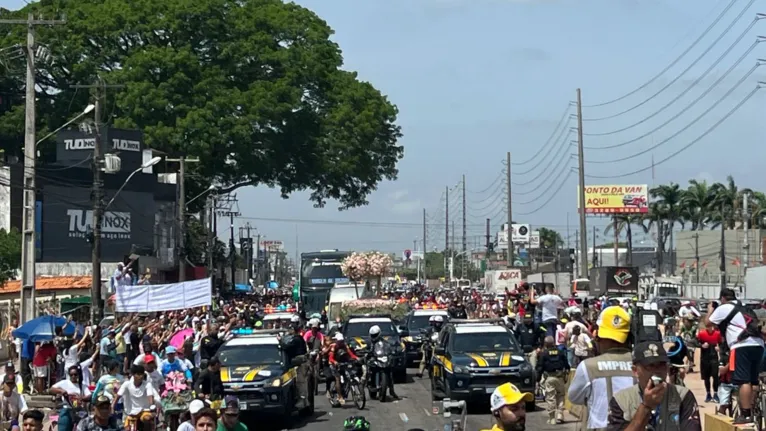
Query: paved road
x,y
412,411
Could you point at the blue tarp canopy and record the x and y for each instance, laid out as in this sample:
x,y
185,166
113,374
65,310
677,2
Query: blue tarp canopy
x,y
43,328
242,288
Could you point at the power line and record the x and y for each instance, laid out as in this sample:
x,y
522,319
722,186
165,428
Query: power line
x,y
564,118
540,196
708,131
557,190
500,176
555,168
673,63
683,129
499,190
694,63
693,84
564,143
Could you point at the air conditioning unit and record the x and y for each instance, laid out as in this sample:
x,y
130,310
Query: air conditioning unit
x,y
112,164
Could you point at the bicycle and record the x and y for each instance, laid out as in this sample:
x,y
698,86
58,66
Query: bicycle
x,y
350,383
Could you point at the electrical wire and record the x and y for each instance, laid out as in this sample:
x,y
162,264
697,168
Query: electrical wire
x,y
673,63
557,190
683,129
564,142
539,196
491,204
556,168
500,176
683,72
499,190
693,84
564,119
687,146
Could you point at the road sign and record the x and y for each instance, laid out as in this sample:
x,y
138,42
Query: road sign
x,y
534,239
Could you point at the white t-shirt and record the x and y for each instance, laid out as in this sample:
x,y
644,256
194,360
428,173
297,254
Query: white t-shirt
x,y
136,399
70,357
687,311
550,305
16,404
736,326
72,389
186,426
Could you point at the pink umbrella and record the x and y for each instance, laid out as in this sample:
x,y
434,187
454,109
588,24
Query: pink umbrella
x,y
177,340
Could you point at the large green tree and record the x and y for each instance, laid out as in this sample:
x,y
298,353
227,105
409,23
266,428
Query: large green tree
x,y
254,88
10,254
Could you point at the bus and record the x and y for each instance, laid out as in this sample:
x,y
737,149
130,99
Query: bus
x,y
320,272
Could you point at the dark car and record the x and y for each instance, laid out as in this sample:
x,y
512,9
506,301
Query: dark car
x,y
472,358
416,322
255,370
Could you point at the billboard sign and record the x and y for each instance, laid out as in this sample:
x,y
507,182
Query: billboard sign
x,y
272,245
615,199
75,146
67,224
520,235
534,240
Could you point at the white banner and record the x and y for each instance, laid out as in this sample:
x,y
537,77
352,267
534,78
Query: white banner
x,y
148,298
534,239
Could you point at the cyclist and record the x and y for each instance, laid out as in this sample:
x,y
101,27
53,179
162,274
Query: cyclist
x,y
340,353
435,326
74,393
139,395
678,355
356,423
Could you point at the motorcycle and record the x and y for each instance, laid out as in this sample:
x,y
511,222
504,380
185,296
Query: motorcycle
x,y
77,409
379,372
315,362
428,348
350,384
144,421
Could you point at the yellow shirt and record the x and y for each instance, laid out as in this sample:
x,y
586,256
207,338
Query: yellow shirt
x,y
494,428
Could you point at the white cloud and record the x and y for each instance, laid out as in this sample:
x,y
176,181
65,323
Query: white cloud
x,y
397,195
406,206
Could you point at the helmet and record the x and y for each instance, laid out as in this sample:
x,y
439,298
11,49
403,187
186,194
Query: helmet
x,y
314,323
375,331
356,423
295,319
338,337
438,319
432,319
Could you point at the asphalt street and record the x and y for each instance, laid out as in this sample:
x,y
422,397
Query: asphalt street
x,y
412,411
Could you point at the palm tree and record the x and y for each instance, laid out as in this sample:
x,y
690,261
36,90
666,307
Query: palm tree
x,y
625,222
668,202
728,198
757,209
697,204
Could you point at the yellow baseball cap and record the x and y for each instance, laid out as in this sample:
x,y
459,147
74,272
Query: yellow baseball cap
x,y
507,395
614,324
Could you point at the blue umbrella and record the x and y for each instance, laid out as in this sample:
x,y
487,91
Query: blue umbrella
x,y
43,328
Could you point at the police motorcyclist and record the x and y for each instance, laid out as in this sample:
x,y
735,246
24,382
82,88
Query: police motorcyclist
x,y
530,335
435,326
457,310
552,369
294,346
210,344
375,338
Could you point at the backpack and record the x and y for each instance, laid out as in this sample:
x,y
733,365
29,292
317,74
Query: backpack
x,y
751,322
644,326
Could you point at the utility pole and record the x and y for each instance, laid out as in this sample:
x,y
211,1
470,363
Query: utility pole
x,y
249,256
230,202
697,257
722,265
576,270
615,225
660,247
425,246
414,251
181,237
28,252
446,230
595,259
509,241
581,175
465,249
210,210
488,244
746,245
96,302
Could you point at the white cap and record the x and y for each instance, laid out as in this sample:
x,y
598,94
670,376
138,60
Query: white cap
x,y
338,337
195,406
375,330
314,323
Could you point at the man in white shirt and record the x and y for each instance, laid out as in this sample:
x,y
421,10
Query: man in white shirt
x,y
137,393
743,338
10,370
550,303
687,310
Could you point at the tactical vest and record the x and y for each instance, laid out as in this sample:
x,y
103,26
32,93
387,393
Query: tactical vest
x,y
553,361
613,363
670,409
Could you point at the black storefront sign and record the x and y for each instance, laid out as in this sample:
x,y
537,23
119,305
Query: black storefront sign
x,y
67,219
622,279
74,147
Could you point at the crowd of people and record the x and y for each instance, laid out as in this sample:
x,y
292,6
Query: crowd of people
x,y
116,370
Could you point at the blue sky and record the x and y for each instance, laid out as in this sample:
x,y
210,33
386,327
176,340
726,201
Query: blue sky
x,y
476,78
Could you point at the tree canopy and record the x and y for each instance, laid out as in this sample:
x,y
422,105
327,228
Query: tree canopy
x,y
254,88
10,254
